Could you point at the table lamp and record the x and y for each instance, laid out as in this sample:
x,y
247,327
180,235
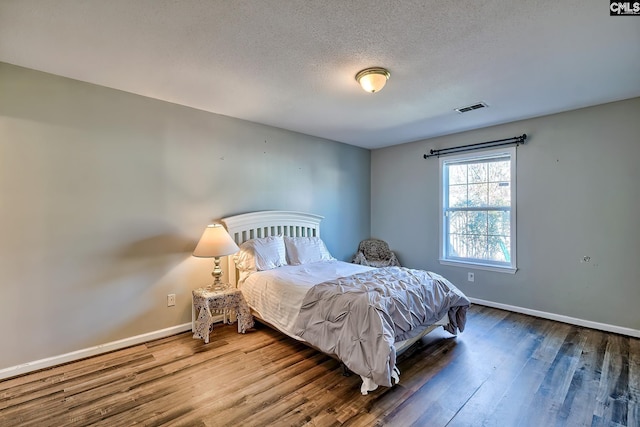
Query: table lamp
x,y
215,243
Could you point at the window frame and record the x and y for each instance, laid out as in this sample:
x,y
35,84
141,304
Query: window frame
x,y
510,267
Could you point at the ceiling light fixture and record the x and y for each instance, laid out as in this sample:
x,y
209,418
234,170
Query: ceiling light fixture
x,y
373,79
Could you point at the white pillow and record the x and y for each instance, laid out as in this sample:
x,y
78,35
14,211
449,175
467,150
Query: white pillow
x,y
244,258
303,250
261,254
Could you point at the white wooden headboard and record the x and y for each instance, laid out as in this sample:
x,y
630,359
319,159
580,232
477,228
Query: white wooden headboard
x,y
268,223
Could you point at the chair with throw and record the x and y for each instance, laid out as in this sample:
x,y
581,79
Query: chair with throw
x,y
375,253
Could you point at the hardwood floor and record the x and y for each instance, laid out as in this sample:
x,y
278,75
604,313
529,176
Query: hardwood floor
x,y
506,369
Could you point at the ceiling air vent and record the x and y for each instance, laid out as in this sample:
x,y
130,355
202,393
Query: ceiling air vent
x,y
471,107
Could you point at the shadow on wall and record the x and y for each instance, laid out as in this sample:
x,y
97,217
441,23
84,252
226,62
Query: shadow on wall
x,y
160,245
150,257
126,294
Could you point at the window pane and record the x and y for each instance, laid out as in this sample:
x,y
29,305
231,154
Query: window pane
x,y
457,222
457,196
499,194
476,247
507,248
457,245
457,174
499,171
478,195
477,172
498,248
499,223
477,223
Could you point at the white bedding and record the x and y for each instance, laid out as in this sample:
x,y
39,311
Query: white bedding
x,y
276,295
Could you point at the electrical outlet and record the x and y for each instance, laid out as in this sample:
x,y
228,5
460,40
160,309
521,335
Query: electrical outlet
x,y
171,300
470,276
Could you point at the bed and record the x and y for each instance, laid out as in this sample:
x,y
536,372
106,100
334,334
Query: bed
x,y
363,316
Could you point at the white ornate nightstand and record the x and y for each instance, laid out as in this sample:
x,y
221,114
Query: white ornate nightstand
x,y
207,301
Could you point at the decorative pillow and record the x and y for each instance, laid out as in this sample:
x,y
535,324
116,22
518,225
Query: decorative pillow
x,y
261,254
303,250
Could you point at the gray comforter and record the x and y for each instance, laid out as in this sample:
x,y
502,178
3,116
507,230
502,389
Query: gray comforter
x,y
360,317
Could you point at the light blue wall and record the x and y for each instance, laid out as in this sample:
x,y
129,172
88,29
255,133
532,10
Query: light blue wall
x,y
104,195
578,184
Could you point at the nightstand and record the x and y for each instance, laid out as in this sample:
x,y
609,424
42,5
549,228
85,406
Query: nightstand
x,y
207,301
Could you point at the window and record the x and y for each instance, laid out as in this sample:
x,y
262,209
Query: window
x,y
478,210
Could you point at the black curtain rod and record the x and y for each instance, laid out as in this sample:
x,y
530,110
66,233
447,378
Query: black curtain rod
x,y
470,147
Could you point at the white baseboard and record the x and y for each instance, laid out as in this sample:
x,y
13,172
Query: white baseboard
x,y
24,368
560,318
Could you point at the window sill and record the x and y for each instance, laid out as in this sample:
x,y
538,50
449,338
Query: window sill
x,y
494,268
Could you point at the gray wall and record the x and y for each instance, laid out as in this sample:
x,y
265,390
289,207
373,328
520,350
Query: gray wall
x,y
104,195
578,183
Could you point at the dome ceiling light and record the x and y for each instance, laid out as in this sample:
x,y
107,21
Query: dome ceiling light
x,y
373,79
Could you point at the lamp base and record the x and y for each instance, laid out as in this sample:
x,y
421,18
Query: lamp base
x,y
218,287
217,284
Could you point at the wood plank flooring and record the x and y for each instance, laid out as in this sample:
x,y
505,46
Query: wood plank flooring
x,y
506,369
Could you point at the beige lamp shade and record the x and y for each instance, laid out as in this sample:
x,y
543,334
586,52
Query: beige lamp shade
x,y
215,242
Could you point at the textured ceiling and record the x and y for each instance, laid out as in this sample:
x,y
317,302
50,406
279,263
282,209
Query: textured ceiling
x,y
291,64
